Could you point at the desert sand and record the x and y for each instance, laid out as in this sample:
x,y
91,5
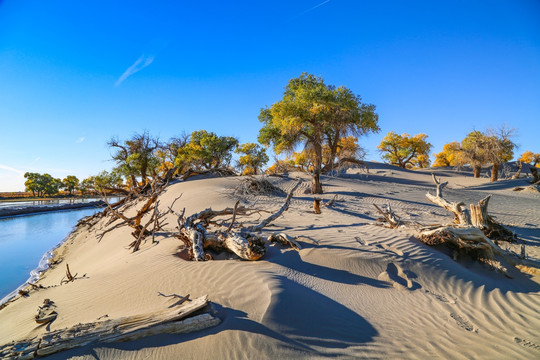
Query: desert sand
x,y
364,291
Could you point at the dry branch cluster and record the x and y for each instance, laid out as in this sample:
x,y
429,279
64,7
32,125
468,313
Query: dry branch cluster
x,y
200,231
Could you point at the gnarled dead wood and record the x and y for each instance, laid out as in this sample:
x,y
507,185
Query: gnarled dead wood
x,y
242,242
171,320
388,214
286,240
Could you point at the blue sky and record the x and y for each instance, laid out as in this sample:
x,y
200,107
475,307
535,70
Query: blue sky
x,y
73,74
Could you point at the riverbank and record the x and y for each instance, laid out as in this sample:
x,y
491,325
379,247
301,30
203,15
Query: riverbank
x,y
27,210
354,289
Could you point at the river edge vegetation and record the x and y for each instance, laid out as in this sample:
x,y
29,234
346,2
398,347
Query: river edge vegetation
x,y
315,127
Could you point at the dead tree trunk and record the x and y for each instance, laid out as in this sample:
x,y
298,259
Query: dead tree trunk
x,y
534,173
171,320
518,173
243,242
478,217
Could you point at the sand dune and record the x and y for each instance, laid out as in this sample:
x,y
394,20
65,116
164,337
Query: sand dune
x,y
363,291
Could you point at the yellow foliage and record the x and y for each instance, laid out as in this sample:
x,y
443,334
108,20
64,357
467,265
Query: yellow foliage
x,y
530,158
451,155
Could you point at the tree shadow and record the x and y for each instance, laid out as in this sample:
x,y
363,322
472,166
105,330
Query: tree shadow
x,y
314,319
291,260
297,318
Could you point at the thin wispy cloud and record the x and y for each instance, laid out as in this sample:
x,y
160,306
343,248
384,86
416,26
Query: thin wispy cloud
x,y
80,140
142,62
310,9
9,168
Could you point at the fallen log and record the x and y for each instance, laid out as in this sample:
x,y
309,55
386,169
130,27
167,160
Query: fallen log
x,y
171,320
244,242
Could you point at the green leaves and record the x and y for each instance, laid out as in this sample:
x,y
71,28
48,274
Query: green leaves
x,y
206,150
253,159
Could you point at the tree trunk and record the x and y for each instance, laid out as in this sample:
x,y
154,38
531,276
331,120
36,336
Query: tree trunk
x,y
534,173
476,170
495,172
316,187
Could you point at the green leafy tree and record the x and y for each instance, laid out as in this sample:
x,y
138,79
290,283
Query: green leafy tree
x,y
49,185
136,157
404,150
32,183
42,184
70,183
313,113
87,185
253,158
206,150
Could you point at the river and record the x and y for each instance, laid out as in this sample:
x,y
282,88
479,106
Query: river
x,y
24,240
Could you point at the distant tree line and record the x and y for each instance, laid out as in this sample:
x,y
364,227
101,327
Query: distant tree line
x,y
45,184
315,125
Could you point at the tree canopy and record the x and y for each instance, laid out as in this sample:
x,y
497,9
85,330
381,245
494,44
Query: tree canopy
x,y
531,158
42,184
313,114
70,183
206,150
449,156
405,151
492,146
136,157
253,158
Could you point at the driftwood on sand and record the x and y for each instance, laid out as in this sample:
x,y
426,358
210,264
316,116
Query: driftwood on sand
x,y
171,320
243,241
474,232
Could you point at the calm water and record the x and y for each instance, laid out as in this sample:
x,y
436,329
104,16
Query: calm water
x,y
25,239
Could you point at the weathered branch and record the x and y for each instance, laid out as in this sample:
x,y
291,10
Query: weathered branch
x,y
171,320
274,216
389,215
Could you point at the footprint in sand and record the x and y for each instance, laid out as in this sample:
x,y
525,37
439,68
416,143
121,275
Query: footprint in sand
x,y
360,241
527,343
463,323
441,297
396,276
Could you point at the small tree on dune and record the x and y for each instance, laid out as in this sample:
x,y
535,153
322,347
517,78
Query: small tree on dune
x,y
404,150
449,156
314,114
499,148
205,151
253,158
136,157
473,148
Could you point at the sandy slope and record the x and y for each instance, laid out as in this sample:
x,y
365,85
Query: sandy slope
x,y
364,291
